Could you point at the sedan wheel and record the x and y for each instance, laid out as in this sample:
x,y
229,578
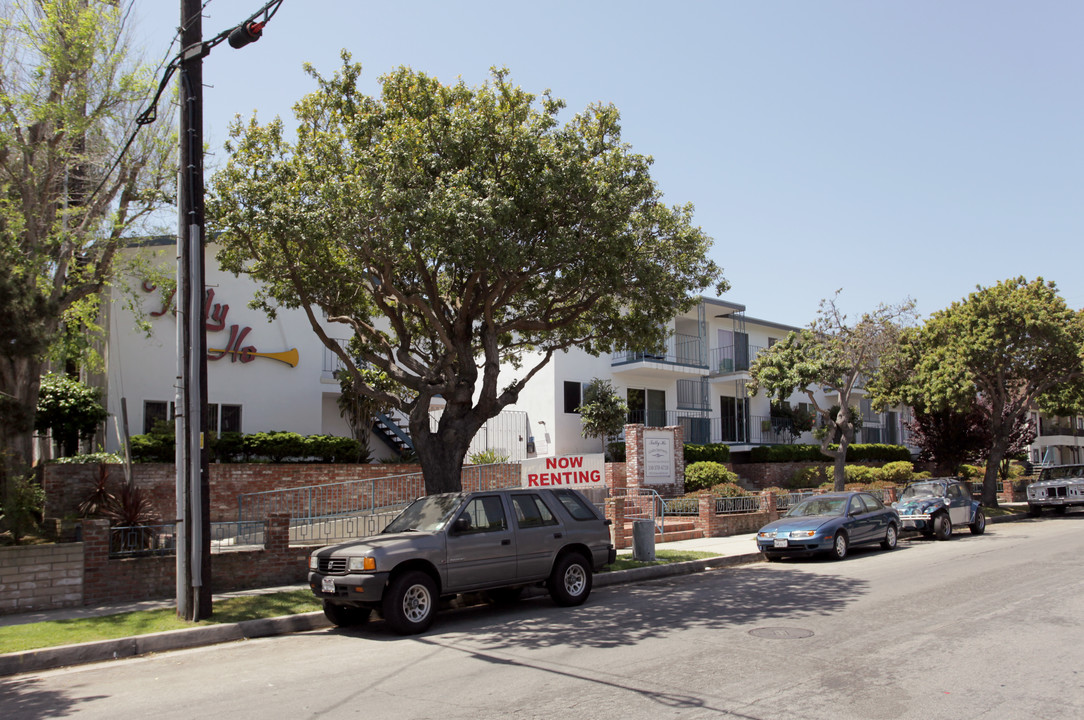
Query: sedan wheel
x,y
839,547
979,526
942,527
892,536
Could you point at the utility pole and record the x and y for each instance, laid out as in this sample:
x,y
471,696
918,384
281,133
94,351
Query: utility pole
x,y
193,486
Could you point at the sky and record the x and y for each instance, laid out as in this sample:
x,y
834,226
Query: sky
x,y
890,150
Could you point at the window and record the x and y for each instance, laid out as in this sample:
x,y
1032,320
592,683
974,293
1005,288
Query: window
x,y
858,506
230,418
573,394
154,412
531,511
873,503
484,514
577,507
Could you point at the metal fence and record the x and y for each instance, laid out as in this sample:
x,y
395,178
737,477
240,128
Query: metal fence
x,y
324,514
735,505
150,540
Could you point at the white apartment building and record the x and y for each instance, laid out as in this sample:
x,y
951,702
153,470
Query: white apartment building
x,y
266,375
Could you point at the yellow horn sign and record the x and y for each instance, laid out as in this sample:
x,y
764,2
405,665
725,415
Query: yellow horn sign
x,y
290,357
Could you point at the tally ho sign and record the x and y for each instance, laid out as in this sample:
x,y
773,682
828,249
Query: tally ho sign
x,y
575,471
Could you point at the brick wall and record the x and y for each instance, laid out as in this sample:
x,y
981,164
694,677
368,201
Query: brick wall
x,y
143,578
67,485
40,577
765,475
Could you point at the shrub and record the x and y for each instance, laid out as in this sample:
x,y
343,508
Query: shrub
x,y
715,452
23,510
703,475
96,458
855,453
729,489
861,474
808,477
971,472
487,457
900,472
617,452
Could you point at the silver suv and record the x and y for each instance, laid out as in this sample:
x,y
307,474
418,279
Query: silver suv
x,y
1059,488
498,541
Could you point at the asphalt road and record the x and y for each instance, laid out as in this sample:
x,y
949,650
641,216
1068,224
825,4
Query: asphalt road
x,y
977,627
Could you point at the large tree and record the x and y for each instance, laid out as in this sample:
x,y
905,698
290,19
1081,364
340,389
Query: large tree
x,y
457,231
69,93
835,357
1004,349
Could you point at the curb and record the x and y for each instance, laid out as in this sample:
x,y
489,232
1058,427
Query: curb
x,y
103,650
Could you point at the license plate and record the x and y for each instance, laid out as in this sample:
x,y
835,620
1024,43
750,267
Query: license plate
x,y
781,542
328,585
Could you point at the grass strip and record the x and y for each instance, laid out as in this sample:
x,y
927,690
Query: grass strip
x,y
31,636
662,557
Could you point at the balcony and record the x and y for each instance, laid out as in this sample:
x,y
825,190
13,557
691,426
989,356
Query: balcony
x,y
1055,429
701,428
732,359
682,354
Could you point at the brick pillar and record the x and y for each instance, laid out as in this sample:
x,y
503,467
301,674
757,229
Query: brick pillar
x,y
95,560
768,505
615,512
616,479
890,495
707,521
277,537
1008,491
634,467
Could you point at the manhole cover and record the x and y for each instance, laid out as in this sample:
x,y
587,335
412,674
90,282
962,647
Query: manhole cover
x,y
781,633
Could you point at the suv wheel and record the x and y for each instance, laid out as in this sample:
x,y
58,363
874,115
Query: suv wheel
x,y
1035,510
410,602
979,526
346,616
570,582
942,526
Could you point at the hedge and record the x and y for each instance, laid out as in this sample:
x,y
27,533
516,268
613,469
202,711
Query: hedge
x,y
715,452
812,453
270,446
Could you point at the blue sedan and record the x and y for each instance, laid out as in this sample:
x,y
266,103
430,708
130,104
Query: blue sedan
x,y
832,524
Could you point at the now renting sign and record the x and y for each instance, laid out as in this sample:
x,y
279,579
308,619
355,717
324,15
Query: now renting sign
x,y
575,471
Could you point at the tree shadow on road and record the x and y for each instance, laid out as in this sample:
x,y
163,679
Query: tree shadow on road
x,y
24,699
622,615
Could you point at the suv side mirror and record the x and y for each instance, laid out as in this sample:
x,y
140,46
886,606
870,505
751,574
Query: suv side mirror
x,y
461,525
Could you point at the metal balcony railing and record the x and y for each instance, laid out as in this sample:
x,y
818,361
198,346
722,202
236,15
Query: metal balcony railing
x,y
679,349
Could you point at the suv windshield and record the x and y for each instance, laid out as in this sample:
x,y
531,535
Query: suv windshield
x,y
914,492
427,514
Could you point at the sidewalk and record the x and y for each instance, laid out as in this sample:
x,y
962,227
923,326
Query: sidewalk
x,y
733,550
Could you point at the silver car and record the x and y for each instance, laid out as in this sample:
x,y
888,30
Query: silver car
x,y
497,542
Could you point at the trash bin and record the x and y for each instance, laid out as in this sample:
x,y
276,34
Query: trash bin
x,y
643,540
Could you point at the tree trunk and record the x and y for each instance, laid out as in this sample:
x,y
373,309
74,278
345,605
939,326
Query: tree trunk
x,y
20,380
441,453
991,477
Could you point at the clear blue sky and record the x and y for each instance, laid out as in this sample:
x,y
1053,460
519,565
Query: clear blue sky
x,y
890,149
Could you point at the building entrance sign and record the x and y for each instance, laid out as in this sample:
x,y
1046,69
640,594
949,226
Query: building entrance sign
x,y
659,457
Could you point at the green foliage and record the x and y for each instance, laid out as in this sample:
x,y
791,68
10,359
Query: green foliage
x,y
94,458
900,472
487,457
808,477
69,91
715,452
603,412
457,230
705,474
862,474
971,472
873,452
68,409
730,488
22,508
1015,345
616,451
159,446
